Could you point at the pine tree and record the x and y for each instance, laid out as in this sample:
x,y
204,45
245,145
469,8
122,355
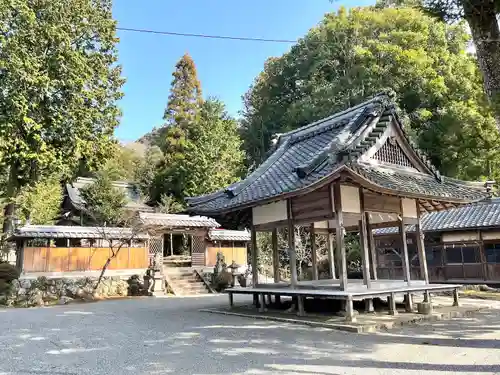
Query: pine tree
x,y
182,109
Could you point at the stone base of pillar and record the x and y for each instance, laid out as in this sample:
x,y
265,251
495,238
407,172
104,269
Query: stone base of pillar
x,y
424,308
391,300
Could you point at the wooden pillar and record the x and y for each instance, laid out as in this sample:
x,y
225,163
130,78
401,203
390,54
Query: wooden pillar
x,y
300,307
255,255
404,245
291,246
392,304
331,256
482,256
339,229
372,246
172,244
363,240
314,256
276,258
422,257
455,298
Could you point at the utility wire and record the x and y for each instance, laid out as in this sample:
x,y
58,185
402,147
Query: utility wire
x,y
171,33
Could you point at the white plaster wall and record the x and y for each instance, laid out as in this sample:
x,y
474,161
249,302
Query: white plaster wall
x,y
382,217
460,236
269,213
491,236
321,224
349,196
409,208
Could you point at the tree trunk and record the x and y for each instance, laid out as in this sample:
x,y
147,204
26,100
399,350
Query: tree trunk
x,y
482,18
11,193
104,268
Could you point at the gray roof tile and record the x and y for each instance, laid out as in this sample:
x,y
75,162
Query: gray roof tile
x,y
61,231
480,215
176,221
228,235
304,156
133,198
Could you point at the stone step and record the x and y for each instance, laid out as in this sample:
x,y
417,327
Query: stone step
x,y
179,275
188,285
185,281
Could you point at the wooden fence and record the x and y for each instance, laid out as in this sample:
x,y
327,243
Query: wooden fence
x,y
67,259
238,254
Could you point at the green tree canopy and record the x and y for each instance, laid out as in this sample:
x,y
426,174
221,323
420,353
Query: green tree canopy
x,y
41,202
182,109
355,54
482,17
212,158
60,82
103,202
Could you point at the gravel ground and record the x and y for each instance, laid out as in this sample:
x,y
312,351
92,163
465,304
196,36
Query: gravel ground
x,y
170,336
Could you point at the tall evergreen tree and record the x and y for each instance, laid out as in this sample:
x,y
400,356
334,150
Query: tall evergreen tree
x,y
182,109
202,149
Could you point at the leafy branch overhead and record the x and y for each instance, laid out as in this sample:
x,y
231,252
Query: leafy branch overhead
x,y
352,55
60,83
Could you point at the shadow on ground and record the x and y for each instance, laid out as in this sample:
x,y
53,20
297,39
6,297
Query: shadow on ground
x,y
165,337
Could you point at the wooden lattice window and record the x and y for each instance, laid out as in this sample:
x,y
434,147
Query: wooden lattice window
x,y
392,153
198,244
156,246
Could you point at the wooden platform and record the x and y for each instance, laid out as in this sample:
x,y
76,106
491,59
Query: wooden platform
x,y
356,291
355,288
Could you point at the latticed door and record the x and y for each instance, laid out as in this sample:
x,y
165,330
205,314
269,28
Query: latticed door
x,y
155,247
198,251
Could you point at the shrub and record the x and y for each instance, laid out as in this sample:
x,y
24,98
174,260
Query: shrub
x,y
223,280
8,272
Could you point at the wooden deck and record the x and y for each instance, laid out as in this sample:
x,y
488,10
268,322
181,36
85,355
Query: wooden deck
x,y
356,291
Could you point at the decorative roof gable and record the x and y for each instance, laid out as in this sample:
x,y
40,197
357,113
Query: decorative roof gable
x,y
352,141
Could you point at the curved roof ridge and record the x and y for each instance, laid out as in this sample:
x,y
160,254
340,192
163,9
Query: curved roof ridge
x,y
382,97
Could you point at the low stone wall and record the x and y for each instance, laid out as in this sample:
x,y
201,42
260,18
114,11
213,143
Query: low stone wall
x,y
43,291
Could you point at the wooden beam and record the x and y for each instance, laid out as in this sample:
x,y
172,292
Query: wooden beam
x,y
341,253
422,257
404,256
314,256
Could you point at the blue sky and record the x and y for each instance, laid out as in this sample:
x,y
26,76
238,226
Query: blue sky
x,y
225,68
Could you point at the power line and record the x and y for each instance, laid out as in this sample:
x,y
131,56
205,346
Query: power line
x,y
171,33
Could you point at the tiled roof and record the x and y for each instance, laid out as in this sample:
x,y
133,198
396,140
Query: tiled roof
x,y
132,195
307,155
228,235
60,231
176,221
480,215
419,184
